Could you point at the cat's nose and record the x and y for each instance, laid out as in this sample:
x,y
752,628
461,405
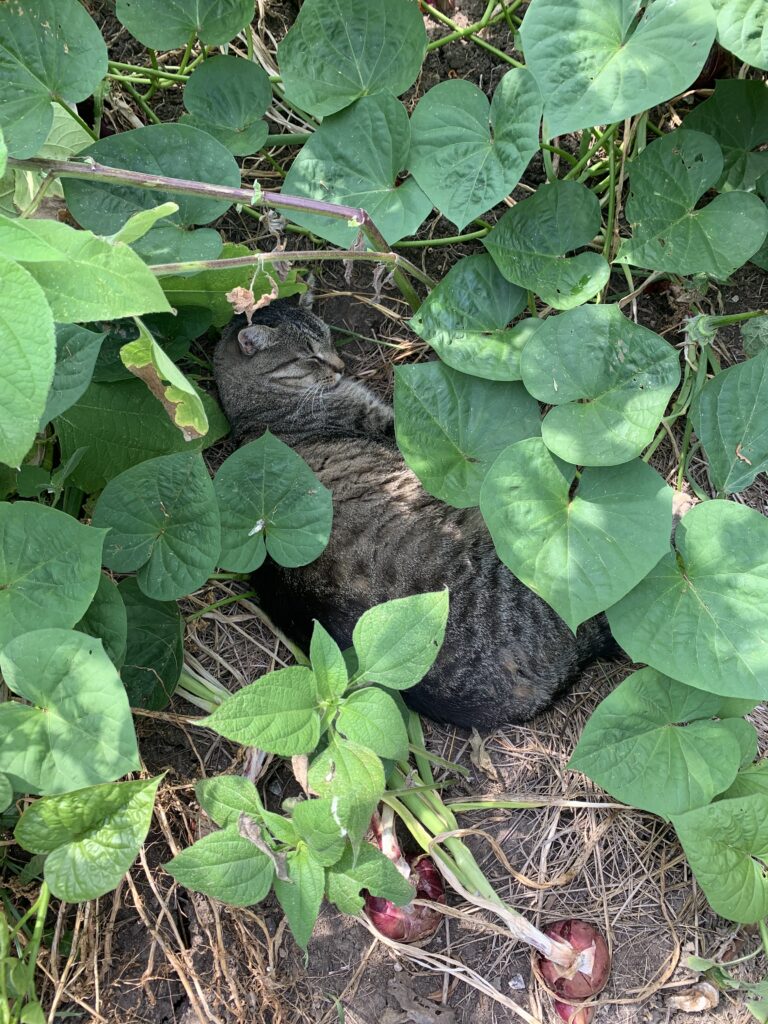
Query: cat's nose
x,y
336,363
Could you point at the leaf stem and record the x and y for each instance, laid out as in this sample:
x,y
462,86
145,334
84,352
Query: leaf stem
x,y
470,32
232,599
427,243
141,103
187,52
153,72
579,166
76,117
288,139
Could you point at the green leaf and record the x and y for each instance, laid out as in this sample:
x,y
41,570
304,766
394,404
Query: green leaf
x,y
353,778
225,866
652,744
666,181
321,831
450,427
226,97
371,718
106,619
579,549
702,614
741,28
301,896
529,243
467,154
328,664
91,837
752,780
76,352
271,503
355,158
736,116
726,845
174,331
599,63
155,654
164,521
29,353
77,704
730,416
277,713
3,154
6,792
140,223
49,49
340,50
214,22
225,797
608,378
465,317
397,642
371,870
754,336
49,568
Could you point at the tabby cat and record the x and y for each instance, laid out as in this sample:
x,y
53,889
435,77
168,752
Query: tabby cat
x,y
507,655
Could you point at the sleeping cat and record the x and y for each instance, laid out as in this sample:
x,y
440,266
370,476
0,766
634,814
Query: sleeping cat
x,y
507,655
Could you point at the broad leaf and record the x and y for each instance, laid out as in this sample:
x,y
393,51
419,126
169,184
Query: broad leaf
x,y
353,777
666,181
321,831
752,780
174,331
76,352
701,615
608,378
271,503
370,870
6,793
737,117
467,154
529,243
450,427
301,896
91,837
742,29
580,548
226,97
340,50
371,718
225,797
106,619
214,22
465,320
154,654
77,706
754,336
599,63
355,158
225,866
138,224
164,521
328,664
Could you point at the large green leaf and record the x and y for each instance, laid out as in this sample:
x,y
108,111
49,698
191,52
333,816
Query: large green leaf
x,y
226,97
225,797
371,718
752,779
49,568
270,502
730,415
106,619
450,427
581,548
464,318
652,744
301,894
353,777
91,837
370,870
609,380
315,824
467,154
598,63
355,159
226,866
76,729
29,352
328,664
737,117
754,335
742,28
154,655
340,50
530,241
171,24
49,49
666,181
701,615
163,520
727,846
77,350
174,331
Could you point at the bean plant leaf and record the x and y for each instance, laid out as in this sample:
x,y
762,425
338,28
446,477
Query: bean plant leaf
x,y
138,224
355,158
352,776
464,318
6,792
736,116
327,663
49,568
370,870
321,831
154,654
529,243
652,743
754,336
596,64
49,49
752,780
77,704
339,50
467,154
742,29
77,350
730,416
450,427
91,837
666,181
164,521
226,97
701,615
214,22
609,380
106,619
226,866
29,353
372,718
271,503
726,845
301,895
225,797
581,550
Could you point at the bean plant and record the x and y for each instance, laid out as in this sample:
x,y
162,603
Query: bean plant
x,y
544,406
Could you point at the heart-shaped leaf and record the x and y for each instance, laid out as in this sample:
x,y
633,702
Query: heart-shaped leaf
x,y
226,97
579,550
301,895
76,352
106,619
701,615
467,154
736,116
214,22
370,870
666,180
742,29
226,866
752,780
154,655
450,427
355,158
340,50
529,244
371,718
599,63
608,378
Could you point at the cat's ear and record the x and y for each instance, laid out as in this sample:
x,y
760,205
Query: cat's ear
x,y
255,338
